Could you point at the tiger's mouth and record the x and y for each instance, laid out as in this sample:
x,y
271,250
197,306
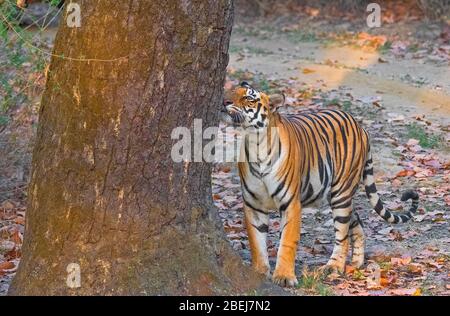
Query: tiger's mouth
x,y
231,118
237,117
231,115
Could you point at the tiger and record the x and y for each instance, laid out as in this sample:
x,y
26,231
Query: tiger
x,y
299,160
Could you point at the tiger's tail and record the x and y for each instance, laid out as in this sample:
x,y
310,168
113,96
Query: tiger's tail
x,y
377,204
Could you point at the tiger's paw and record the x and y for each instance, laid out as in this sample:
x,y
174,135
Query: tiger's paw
x,y
332,268
284,280
263,269
357,262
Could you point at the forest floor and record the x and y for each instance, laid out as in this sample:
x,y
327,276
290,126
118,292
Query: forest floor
x,y
395,80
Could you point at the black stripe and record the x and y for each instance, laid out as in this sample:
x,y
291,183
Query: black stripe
x,y
410,195
346,204
368,172
354,224
263,228
405,218
254,208
321,168
358,219
284,206
257,113
247,189
309,193
396,219
379,206
278,190
305,183
342,219
341,240
289,184
371,189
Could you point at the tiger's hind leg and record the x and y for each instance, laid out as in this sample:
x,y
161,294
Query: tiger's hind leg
x,y
257,224
342,215
357,238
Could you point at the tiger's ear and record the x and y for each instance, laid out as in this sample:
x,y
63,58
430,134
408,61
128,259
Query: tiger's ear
x,y
245,84
276,101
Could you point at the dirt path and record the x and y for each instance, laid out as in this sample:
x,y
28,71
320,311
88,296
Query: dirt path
x,y
386,94
411,86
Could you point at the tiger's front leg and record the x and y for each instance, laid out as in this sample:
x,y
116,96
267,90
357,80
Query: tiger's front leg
x,y
284,273
257,224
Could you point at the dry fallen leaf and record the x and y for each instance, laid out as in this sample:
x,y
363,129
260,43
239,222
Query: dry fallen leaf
x,y
418,292
405,173
7,205
384,282
401,261
412,291
415,268
349,270
7,265
225,169
308,71
17,237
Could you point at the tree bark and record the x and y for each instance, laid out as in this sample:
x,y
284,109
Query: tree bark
x,y
105,193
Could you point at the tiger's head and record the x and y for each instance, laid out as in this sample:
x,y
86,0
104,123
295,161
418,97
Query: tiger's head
x,y
251,108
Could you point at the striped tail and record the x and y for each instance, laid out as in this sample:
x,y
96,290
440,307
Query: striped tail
x,y
377,204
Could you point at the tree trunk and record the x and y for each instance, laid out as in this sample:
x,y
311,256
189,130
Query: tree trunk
x,y
105,193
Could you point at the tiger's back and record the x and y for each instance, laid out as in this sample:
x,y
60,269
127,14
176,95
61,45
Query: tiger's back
x,y
335,149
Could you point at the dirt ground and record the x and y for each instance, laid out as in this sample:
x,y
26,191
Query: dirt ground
x,y
403,99
395,80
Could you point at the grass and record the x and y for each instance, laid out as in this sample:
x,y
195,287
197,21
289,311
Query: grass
x,y
4,120
258,81
242,75
418,132
385,265
313,282
301,36
14,78
386,47
264,85
358,275
256,32
234,49
416,81
346,106
413,48
257,50
332,102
